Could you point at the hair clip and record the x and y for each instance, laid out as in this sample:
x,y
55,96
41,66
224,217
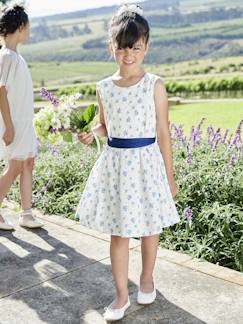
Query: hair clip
x,y
130,8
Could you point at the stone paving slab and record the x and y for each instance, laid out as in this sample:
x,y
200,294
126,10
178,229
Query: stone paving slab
x,y
62,274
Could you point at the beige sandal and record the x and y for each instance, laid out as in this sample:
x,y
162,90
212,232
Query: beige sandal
x,y
6,226
29,221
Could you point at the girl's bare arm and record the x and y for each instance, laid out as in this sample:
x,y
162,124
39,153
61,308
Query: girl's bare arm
x,y
163,132
5,112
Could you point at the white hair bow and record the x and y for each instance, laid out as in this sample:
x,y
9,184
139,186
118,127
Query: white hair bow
x,y
130,8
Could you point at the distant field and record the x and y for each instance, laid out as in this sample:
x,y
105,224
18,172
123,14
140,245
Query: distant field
x,y
221,114
169,44
229,27
62,73
198,4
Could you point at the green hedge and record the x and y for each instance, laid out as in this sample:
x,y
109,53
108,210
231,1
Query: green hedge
x,y
172,86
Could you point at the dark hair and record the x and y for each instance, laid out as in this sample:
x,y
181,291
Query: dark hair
x,y
12,18
127,27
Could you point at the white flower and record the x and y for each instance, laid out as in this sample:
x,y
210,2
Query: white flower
x,y
57,118
66,124
130,8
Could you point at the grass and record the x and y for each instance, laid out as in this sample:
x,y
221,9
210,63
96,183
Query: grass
x,y
43,104
225,114
67,73
63,73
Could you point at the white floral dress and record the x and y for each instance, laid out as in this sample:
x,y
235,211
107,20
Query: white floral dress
x,y
127,193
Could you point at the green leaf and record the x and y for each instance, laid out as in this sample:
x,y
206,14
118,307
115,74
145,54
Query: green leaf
x,y
67,137
89,113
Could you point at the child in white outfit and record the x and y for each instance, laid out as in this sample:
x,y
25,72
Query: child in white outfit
x,y
18,143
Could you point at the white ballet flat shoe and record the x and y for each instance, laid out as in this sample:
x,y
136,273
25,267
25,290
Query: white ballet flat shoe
x,y
115,314
6,226
29,221
146,298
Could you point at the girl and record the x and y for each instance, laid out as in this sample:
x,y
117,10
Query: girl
x,y
18,144
130,190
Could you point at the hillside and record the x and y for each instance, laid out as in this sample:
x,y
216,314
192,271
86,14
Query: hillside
x,y
180,29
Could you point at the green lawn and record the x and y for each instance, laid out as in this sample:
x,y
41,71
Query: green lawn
x,y
64,73
225,114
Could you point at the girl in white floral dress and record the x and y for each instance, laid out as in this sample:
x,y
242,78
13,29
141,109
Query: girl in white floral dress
x,y
130,190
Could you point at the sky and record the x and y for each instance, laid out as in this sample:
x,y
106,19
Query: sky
x,y
49,7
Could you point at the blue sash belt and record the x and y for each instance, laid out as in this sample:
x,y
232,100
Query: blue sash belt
x,y
130,142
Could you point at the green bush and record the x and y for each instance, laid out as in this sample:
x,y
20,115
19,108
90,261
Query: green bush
x,y
86,90
212,84
209,175
215,235
59,177
173,87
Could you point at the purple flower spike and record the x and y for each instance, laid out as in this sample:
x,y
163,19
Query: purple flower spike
x,y
233,160
188,213
196,133
179,134
49,96
230,141
225,136
239,127
53,150
188,154
201,123
217,139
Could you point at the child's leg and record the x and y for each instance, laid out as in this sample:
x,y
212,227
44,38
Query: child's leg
x,y
26,183
13,169
119,252
26,218
149,251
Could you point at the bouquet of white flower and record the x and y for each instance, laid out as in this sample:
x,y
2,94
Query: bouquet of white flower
x,y
64,118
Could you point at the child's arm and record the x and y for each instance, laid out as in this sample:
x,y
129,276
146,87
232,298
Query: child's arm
x,y
8,136
163,132
99,129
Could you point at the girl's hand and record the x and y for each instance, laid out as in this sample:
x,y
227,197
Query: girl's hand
x,y
86,138
8,136
173,187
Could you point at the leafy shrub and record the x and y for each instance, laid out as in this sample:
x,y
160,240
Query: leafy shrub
x,y
212,84
172,86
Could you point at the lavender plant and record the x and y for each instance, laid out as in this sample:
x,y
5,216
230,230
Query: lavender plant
x,y
209,172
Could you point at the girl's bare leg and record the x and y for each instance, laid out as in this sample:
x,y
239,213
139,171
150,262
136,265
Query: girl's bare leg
x,y
119,253
26,177
149,248
13,169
